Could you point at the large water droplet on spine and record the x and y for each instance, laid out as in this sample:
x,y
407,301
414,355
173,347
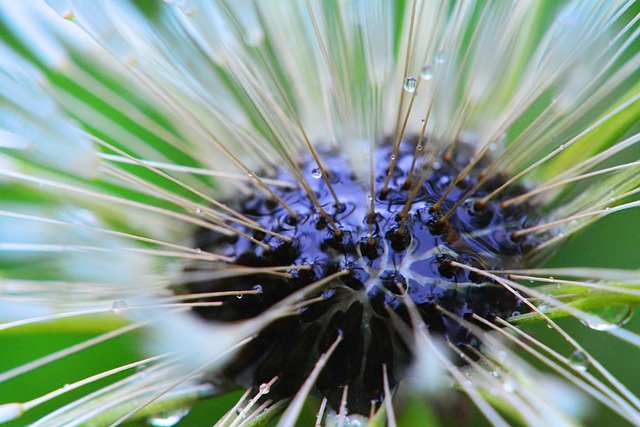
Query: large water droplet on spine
x,y
168,418
578,360
264,388
410,84
609,318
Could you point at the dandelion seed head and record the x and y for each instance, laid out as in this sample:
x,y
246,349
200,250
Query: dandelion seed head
x,y
389,256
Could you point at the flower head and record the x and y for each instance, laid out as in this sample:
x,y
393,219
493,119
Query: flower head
x,y
346,202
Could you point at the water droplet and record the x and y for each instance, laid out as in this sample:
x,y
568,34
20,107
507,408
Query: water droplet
x,y
544,307
168,418
440,56
609,318
258,288
393,157
410,84
239,296
119,307
316,173
198,250
561,147
420,147
264,388
199,211
578,361
353,420
427,72
493,147
423,121
369,197
516,314
250,174
509,385
437,166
